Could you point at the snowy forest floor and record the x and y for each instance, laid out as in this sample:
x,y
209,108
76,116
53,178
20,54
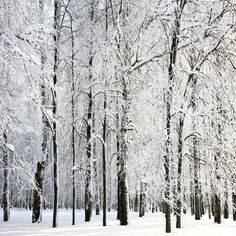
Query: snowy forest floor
x,y
150,225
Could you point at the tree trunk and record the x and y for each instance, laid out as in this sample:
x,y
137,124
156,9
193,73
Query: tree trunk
x,y
97,189
88,175
118,166
73,121
234,206
118,160
226,205
104,162
41,165
123,197
197,202
217,213
136,202
6,191
54,104
217,210
37,193
96,175
142,199
179,178
88,192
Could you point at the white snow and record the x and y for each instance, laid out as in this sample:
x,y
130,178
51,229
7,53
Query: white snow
x,y
150,225
10,147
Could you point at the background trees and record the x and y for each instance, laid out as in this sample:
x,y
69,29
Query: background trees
x,y
126,104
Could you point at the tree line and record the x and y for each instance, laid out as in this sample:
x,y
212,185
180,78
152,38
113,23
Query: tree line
x,y
118,105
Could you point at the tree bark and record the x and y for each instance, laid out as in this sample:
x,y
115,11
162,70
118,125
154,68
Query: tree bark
x,y
73,120
217,213
118,159
142,199
234,206
54,104
104,162
197,202
37,193
41,165
136,202
88,192
226,205
179,178
123,197
6,191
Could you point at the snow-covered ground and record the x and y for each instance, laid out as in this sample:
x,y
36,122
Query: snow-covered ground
x,y
150,225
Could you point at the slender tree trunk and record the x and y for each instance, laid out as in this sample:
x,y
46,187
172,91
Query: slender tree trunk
x,y
54,104
197,202
88,192
191,189
142,199
196,163
118,160
6,191
104,163
179,178
226,205
234,205
136,202
88,175
73,121
96,174
123,197
217,213
97,189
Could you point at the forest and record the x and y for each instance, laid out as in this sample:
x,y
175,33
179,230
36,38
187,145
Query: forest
x,y
122,107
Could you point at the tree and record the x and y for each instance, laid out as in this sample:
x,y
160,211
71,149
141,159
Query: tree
x,y
56,26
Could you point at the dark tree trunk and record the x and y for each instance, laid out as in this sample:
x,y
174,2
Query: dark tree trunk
x,y
192,204
124,197
104,162
136,202
142,200
73,120
97,192
6,191
118,177
37,193
202,206
226,205
197,201
54,104
88,194
179,178
234,206
118,158
153,207
123,216
88,175
217,210
208,206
